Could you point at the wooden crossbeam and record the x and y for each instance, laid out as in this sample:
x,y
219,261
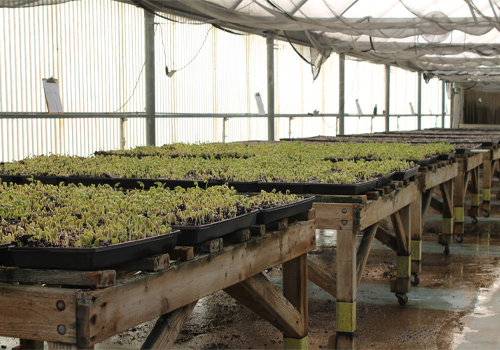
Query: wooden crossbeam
x,y
447,202
364,250
386,238
466,180
400,231
263,298
322,278
295,291
426,203
167,328
436,204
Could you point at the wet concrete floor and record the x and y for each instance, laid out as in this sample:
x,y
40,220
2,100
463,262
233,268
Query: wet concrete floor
x,y
455,306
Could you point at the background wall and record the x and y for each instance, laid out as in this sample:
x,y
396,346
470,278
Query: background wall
x,y
95,49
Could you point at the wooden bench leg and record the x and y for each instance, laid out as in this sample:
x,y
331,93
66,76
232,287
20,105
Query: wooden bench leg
x,y
402,226
474,210
417,212
29,344
447,191
167,328
295,291
486,182
460,189
346,291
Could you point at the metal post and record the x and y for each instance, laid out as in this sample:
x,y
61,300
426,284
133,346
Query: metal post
x,y
457,111
270,87
123,139
341,94
387,94
419,102
443,104
150,76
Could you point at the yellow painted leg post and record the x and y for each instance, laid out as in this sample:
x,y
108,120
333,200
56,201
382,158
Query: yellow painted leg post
x,y
416,213
486,182
447,191
296,344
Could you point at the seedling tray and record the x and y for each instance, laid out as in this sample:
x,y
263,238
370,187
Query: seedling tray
x,y
266,216
244,186
191,235
446,156
295,188
5,255
403,175
87,181
27,179
89,259
385,179
344,189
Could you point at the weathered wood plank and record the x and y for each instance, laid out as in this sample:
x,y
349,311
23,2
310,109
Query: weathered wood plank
x,y
346,266
322,278
447,190
373,212
436,204
435,177
295,291
151,263
363,251
332,216
93,279
425,200
401,231
182,253
30,312
239,236
340,199
167,328
472,162
263,298
386,238
209,247
144,297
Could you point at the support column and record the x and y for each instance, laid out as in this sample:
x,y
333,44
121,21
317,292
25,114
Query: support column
x,y
443,103
416,224
295,291
487,172
457,108
474,209
460,189
419,102
270,87
341,94
401,221
447,191
387,95
346,290
149,69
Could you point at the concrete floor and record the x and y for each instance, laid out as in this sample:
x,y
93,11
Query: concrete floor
x,y
455,306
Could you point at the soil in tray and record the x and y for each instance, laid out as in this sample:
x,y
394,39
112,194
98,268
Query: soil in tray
x,y
88,259
191,235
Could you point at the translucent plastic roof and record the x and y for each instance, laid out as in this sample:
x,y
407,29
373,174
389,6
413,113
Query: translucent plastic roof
x,y
457,40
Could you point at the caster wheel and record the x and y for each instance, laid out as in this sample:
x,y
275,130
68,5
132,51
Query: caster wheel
x,y
486,214
414,280
474,220
402,299
446,250
459,239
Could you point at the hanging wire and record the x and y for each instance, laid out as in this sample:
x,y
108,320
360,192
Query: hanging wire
x,y
206,36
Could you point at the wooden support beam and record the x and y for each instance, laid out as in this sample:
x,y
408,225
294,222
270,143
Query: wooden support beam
x,y
209,247
91,279
322,278
346,282
375,211
425,200
363,251
432,178
263,298
295,291
150,263
387,238
167,328
182,253
447,194
436,204
239,236
145,296
400,231
53,321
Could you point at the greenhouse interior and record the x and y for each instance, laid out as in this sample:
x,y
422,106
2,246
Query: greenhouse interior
x,y
334,133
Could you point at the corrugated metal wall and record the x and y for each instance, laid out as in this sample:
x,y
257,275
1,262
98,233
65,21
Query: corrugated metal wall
x,y
95,49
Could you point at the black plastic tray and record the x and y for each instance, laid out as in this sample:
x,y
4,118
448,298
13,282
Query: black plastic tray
x,y
446,156
344,189
295,188
89,259
196,234
266,216
87,181
244,186
5,255
403,175
385,179
421,162
27,179
148,183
